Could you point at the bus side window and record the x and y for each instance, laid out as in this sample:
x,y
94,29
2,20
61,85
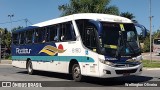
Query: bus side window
x,y
52,33
15,38
22,38
67,32
36,35
90,38
42,35
39,35
88,34
29,35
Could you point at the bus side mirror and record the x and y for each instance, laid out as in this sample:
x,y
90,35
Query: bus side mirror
x,y
141,28
144,33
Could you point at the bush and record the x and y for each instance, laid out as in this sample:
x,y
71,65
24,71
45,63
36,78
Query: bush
x,y
8,57
146,47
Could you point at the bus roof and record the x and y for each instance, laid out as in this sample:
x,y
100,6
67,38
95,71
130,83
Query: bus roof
x,y
94,16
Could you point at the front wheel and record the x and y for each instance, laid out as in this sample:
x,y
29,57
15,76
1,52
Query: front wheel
x,y
76,73
29,68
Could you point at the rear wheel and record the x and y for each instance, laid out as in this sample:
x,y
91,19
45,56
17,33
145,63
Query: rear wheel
x,y
76,72
30,68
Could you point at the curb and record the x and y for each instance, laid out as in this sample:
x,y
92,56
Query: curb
x,y
5,64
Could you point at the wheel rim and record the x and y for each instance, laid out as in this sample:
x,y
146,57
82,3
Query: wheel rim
x,y
77,72
29,67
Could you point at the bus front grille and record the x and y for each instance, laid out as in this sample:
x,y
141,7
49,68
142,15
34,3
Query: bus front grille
x,y
125,71
124,65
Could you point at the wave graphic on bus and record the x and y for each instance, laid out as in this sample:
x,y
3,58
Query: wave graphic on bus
x,y
51,50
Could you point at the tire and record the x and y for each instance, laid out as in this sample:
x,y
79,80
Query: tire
x,y
30,68
76,73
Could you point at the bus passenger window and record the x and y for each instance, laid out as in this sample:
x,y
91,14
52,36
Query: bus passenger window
x,y
67,32
88,34
52,33
22,38
36,34
40,35
15,38
29,35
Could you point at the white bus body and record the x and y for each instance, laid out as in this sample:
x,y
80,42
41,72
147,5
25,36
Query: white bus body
x,y
73,56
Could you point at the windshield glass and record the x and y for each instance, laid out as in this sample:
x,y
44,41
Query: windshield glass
x,y
122,37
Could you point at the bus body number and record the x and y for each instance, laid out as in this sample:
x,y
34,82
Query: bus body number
x,y
76,50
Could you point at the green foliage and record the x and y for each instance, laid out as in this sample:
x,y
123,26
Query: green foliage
x,y
8,57
16,28
129,16
5,37
146,42
153,64
156,34
88,6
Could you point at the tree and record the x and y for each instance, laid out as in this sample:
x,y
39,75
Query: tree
x,y
6,37
129,16
146,47
17,28
146,41
156,34
88,6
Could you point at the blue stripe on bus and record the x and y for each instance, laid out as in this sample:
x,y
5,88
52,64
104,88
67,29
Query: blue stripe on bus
x,y
55,58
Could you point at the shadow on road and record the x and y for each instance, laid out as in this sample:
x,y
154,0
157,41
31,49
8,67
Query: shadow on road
x,y
90,81
118,81
50,74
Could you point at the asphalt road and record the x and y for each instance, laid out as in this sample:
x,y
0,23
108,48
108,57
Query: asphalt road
x,y
65,82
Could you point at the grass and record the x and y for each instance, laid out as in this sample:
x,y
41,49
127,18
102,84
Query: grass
x,y
153,64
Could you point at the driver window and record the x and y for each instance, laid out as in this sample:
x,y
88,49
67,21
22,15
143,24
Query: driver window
x,y
88,34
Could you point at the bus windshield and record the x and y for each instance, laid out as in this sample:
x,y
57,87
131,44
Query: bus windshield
x,y
119,37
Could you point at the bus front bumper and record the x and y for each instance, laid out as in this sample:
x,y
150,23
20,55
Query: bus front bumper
x,y
109,71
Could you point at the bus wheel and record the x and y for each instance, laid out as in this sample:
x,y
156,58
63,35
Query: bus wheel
x,y
30,68
76,73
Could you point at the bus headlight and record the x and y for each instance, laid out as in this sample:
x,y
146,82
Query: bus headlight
x,y
134,60
106,62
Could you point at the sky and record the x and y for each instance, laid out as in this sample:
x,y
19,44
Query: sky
x,y
41,10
